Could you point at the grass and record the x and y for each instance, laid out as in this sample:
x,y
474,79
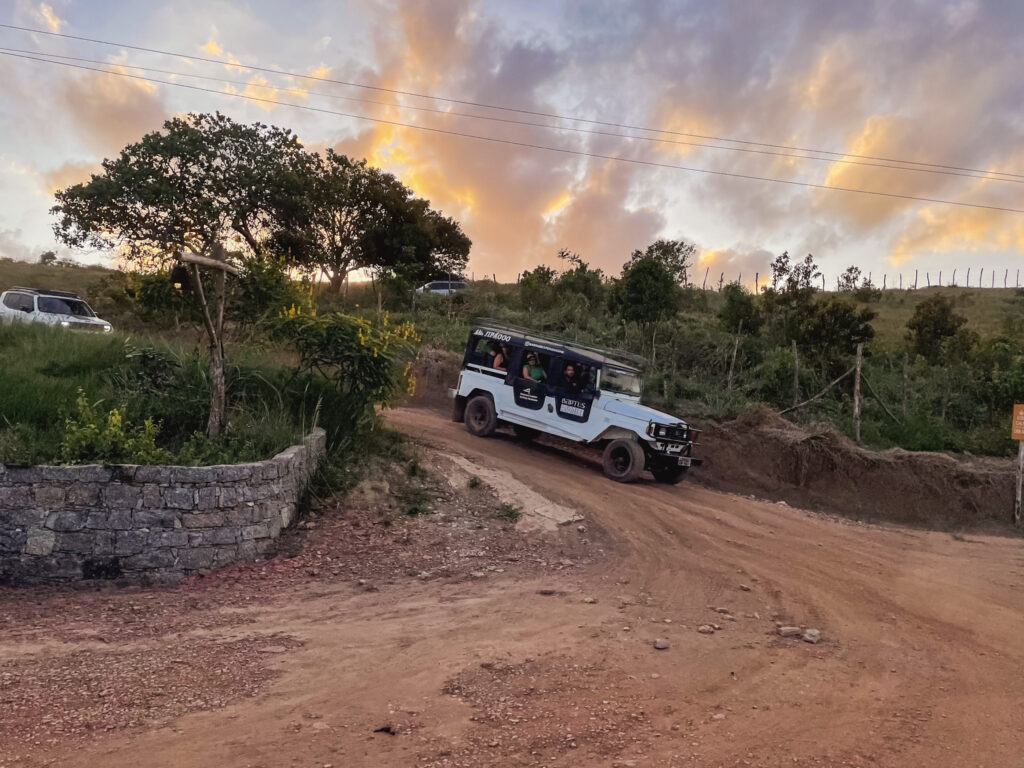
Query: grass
x,y
81,280
508,513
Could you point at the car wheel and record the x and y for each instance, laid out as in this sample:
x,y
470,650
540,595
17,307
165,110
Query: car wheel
x,y
526,434
481,420
669,473
623,460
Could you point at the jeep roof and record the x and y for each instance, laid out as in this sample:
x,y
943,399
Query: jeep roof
x,y
556,345
45,292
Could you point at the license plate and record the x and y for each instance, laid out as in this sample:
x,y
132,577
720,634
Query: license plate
x,y
684,461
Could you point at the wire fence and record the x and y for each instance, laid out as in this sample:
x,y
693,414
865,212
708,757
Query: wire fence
x,y
983,278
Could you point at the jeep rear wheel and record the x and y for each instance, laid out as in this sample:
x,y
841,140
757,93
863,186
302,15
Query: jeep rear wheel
x,y
623,460
481,420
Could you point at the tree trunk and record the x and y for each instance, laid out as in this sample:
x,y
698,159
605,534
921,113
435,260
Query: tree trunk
x,y
214,323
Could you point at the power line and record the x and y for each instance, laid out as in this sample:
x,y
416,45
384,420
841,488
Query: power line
x,y
484,105
510,142
491,118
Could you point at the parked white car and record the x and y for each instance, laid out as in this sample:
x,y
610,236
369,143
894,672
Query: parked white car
x,y
537,384
442,287
58,308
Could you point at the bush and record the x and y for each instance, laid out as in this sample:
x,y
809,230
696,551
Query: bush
x,y
92,435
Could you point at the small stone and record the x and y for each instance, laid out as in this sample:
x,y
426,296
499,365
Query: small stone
x,y
706,629
273,649
590,600
478,574
661,644
719,716
625,629
581,528
812,636
547,592
790,631
655,676
744,588
668,621
722,610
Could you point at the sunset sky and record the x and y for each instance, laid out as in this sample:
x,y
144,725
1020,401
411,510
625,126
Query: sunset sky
x,y
928,82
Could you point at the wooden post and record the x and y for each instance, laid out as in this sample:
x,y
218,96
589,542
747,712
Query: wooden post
x,y
906,382
856,393
928,279
704,285
993,279
1006,277
953,282
901,281
885,278
796,375
757,283
735,348
823,282
981,276
967,282
940,278
1017,433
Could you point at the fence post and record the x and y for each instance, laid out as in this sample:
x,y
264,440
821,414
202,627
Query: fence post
x,y
757,286
796,375
981,276
915,279
901,281
735,347
823,281
1020,482
906,381
940,278
856,393
967,282
704,285
953,283
1006,277
928,279
884,279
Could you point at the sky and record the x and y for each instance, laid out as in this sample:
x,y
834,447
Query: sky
x,y
925,82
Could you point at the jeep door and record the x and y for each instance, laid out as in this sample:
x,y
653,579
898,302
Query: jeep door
x,y
528,380
19,306
573,390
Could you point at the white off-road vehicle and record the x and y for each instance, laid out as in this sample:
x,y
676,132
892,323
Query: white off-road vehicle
x,y
538,383
56,308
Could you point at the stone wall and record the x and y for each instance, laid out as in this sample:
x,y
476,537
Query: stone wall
x,y
146,523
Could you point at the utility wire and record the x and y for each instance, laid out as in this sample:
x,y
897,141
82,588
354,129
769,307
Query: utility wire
x,y
491,118
510,142
484,105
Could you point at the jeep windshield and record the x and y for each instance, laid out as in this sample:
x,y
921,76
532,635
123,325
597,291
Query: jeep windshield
x,y
621,382
54,306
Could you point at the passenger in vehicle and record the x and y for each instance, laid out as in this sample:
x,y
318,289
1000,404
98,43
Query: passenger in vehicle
x,y
500,356
532,369
572,381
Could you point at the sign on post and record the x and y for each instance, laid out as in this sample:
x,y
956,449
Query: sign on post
x,y
1017,433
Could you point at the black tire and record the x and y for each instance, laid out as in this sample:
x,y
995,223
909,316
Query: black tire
x,y
526,434
481,420
623,460
669,473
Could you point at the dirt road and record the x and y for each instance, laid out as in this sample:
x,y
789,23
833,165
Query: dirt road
x,y
919,663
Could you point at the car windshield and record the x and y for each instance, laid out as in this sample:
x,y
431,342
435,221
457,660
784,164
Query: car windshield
x,y
54,306
621,382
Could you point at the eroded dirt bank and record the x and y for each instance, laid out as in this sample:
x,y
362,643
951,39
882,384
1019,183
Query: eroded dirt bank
x,y
462,641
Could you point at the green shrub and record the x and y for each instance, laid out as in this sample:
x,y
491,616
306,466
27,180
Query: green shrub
x,y
94,435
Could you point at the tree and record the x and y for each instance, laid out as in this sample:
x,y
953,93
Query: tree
x,y
47,258
849,280
740,310
832,329
536,287
646,294
934,320
184,193
355,216
676,256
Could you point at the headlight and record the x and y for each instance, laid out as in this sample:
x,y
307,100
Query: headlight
x,y
65,324
107,328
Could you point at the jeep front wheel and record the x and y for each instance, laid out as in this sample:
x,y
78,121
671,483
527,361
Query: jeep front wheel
x,y
481,420
623,460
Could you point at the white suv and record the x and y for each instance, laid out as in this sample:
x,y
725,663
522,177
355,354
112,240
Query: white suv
x,y
540,384
442,287
59,308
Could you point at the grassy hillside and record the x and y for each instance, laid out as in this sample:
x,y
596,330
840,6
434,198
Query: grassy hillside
x,y
81,280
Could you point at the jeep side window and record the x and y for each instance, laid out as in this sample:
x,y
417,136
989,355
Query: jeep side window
x,y
19,301
535,366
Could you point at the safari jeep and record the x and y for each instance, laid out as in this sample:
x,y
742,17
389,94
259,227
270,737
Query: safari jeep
x,y
538,384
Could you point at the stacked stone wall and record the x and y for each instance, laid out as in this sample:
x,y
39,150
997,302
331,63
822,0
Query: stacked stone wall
x,y
146,523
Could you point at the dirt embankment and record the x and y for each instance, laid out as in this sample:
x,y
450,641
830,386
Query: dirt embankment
x,y
763,455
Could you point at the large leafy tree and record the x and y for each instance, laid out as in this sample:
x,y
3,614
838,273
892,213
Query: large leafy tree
x,y
355,216
676,256
933,322
185,193
646,294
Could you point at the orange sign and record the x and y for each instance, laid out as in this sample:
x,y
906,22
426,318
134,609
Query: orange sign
x,y
1018,422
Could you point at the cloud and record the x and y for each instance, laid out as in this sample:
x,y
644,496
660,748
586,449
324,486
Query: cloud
x,y
12,246
68,174
731,265
109,112
53,22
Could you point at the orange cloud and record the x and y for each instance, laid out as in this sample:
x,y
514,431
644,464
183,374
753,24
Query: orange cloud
x,y
68,174
938,230
110,112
